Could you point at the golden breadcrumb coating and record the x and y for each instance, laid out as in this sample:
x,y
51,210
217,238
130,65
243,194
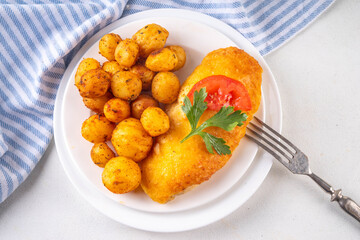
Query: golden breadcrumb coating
x,y
172,166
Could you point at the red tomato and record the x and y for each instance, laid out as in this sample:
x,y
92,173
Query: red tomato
x,y
223,91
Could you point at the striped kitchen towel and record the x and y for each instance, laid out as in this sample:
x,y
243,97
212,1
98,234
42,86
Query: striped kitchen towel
x,y
39,37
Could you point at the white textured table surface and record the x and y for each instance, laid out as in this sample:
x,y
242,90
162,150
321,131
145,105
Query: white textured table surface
x,y
318,74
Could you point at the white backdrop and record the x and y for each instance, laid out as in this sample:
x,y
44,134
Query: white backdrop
x,y
318,75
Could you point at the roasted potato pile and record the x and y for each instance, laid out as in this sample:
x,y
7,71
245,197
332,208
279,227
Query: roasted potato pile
x,y
123,93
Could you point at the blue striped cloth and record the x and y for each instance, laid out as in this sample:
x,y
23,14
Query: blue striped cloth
x,y
39,37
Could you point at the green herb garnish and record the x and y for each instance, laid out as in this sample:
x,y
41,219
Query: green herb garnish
x,y
226,119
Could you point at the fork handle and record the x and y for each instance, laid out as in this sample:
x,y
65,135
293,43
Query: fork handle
x,y
346,203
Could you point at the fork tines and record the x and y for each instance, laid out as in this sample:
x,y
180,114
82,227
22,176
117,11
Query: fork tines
x,y
269,139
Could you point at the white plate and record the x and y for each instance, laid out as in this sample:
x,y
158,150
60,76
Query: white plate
x,y
194,38
211,200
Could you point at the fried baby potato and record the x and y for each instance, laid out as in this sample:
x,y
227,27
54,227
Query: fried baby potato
x,y
121,175
126,85
97,104
131,140
145,74
141,103
84,66
94,83
126,53
108,44
150,38
165,87
162,60
97,128
116,110
111,67
180,54
155,121
101,153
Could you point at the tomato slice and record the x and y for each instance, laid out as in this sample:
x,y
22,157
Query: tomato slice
x,y
223,91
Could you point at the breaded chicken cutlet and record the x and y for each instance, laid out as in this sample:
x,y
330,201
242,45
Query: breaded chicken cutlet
x,y
172,167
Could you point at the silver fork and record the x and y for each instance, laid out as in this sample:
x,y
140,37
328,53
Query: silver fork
x,y
296,161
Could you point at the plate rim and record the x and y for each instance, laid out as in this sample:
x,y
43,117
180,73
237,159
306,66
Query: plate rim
x,y
178,13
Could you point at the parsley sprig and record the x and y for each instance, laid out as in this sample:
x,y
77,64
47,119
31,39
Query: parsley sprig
x,y
226,119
